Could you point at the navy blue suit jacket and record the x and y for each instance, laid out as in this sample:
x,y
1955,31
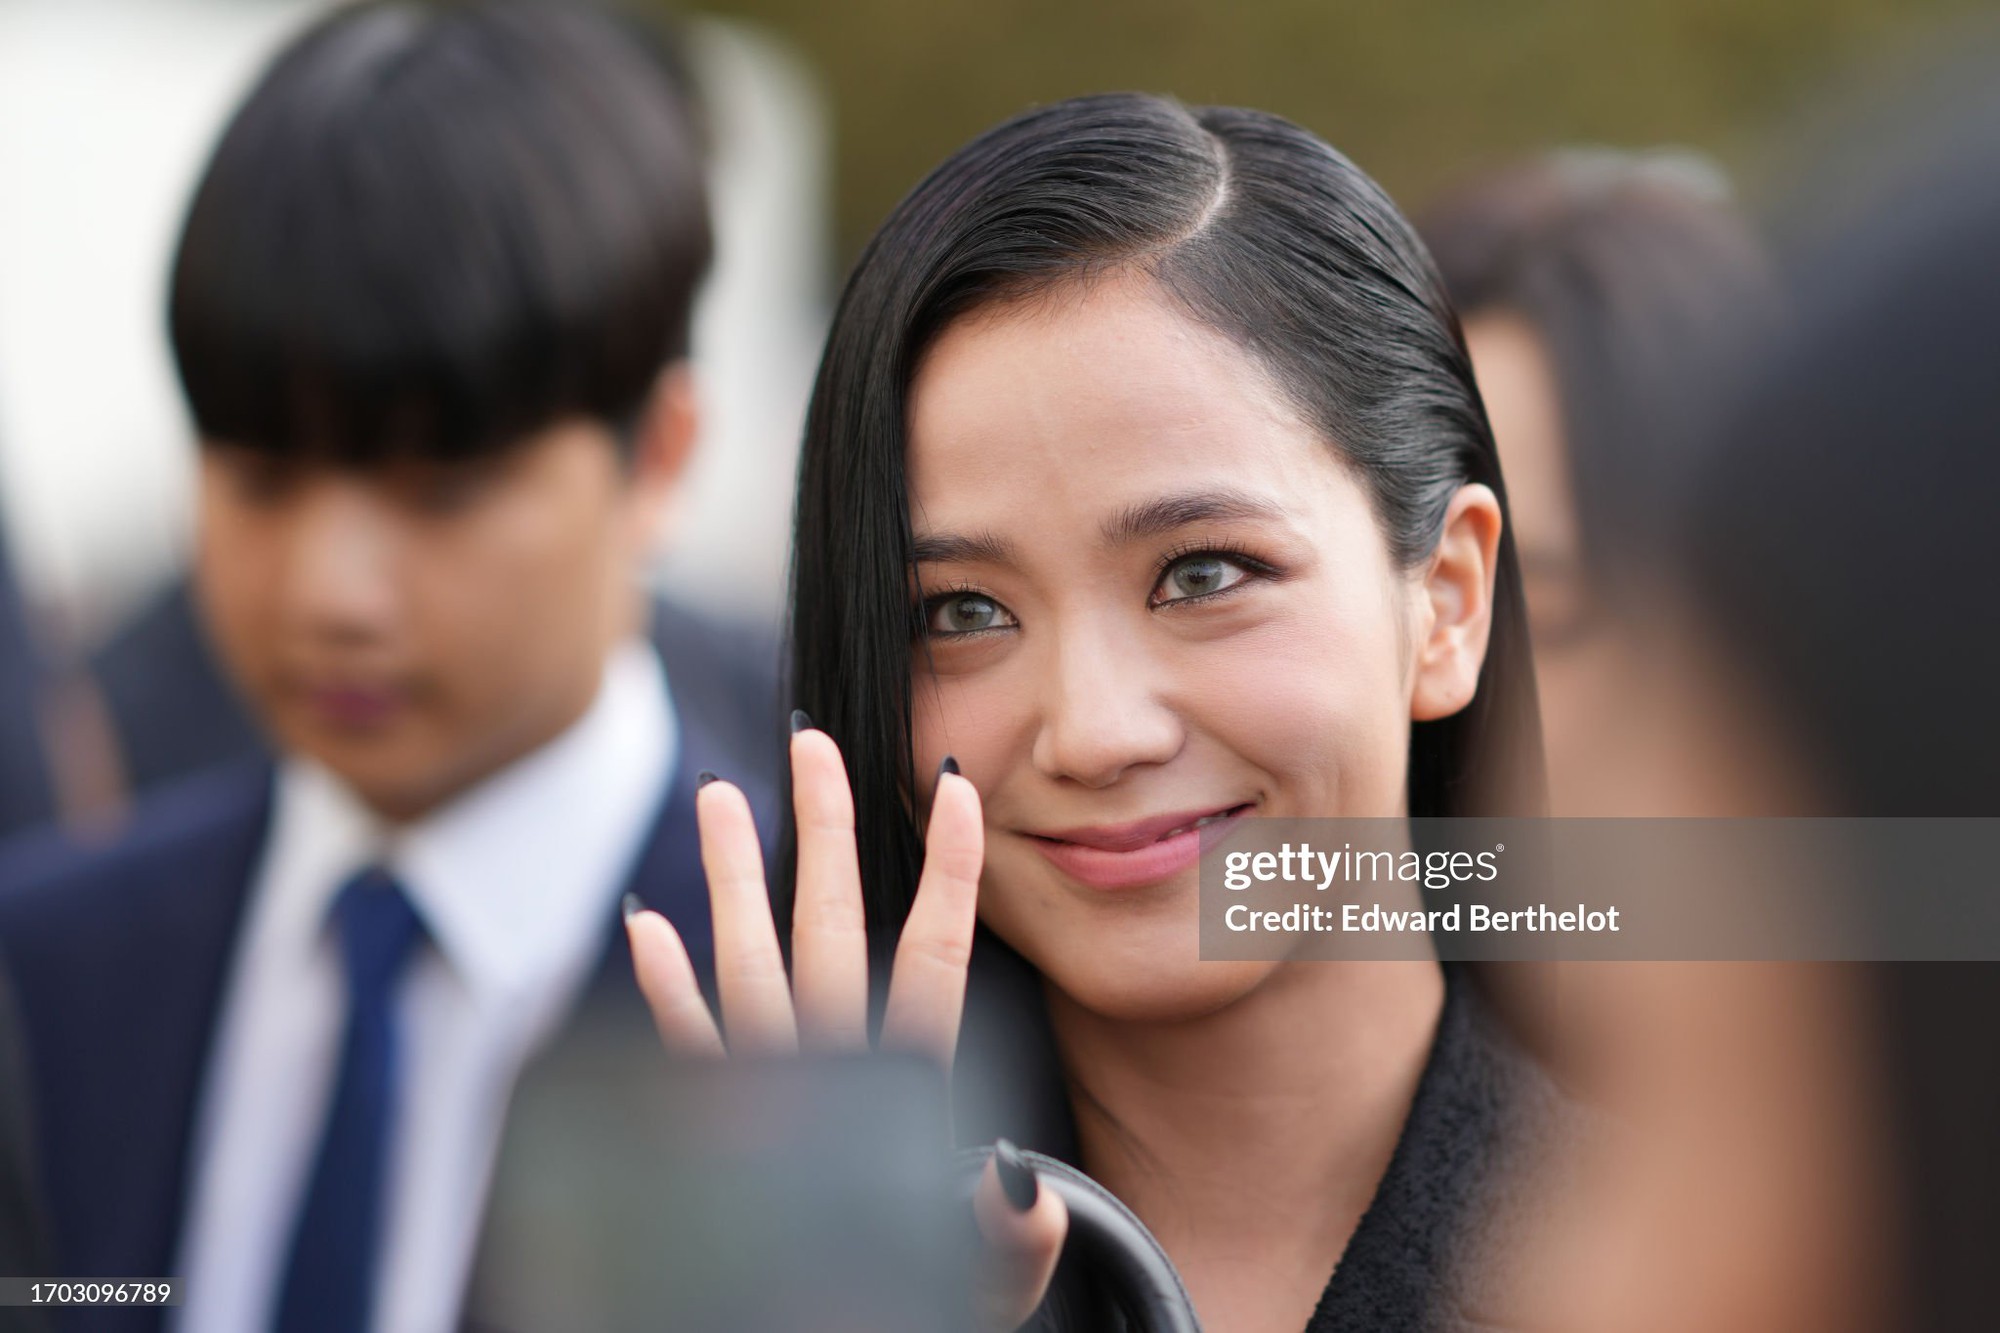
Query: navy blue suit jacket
x,y
120,956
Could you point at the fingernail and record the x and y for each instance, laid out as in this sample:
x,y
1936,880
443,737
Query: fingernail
x,y
949,765
1017,1178
702,779
633,906
800,722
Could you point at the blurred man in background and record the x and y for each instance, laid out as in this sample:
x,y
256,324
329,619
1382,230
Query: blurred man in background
x,y
1600,291
1605,296
1834,545
1754,603
430,311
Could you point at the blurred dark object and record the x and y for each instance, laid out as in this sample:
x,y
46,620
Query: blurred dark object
x,y
794,1196
26,797
175,713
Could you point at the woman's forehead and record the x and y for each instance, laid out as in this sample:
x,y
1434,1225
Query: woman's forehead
x,y
1114,390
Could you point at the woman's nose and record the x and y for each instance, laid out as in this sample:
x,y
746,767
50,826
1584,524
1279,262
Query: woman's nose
x,y
1103,711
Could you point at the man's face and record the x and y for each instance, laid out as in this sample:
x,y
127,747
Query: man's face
x,y
417,626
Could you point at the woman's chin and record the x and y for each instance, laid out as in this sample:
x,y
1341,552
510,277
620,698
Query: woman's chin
x,y
1153,991
1136,961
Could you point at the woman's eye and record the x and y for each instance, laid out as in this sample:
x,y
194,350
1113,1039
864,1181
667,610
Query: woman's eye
x,y
1197,576
966,613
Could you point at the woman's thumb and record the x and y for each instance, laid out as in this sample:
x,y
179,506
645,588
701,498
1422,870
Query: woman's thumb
x,y
1023,1226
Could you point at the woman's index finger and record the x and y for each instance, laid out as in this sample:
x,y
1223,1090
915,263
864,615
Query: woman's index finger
x,y
927,988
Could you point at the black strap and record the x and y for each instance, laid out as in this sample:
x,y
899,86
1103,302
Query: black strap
x,y
1104,1233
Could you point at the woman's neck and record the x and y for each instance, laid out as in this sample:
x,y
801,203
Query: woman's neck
x,y
1251,1140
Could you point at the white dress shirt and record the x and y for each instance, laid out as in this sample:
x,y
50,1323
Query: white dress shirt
x,y
517,882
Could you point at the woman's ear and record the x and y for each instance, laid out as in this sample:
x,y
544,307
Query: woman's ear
x,y
1458,588
661,450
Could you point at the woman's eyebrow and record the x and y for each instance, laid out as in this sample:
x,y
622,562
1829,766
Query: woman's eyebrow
x,y
1133,523
979,548
1163,515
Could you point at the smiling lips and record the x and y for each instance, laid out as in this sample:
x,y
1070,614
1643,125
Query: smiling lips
x,y
1128,856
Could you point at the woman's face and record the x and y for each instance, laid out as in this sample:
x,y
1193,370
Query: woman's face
x,y
1156,597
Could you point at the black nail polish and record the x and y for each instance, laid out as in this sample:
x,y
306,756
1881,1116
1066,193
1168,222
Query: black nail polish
x,y
632,906
949,765
1017,1178
702,779
800,722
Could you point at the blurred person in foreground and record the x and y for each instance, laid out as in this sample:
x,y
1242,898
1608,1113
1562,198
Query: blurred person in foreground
x,y
1817,1146
1833,546
430,309
1604,296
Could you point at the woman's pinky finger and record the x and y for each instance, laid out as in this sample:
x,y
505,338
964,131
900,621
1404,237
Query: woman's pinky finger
x,y
667,980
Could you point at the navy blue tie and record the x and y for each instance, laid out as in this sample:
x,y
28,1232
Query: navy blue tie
x,y
329,1281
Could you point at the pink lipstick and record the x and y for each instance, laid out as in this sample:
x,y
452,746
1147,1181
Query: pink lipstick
x,y
1129,856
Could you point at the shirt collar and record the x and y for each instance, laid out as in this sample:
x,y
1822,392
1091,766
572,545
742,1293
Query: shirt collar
x,y
516,879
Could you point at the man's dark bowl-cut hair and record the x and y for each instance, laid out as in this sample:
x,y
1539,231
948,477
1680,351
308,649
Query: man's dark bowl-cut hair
x,y
435,229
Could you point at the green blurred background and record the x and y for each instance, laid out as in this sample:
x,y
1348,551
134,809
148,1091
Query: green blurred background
x,y
1415,92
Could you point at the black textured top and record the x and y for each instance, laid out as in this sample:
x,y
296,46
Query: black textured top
x,y
1485,1124
1435,1251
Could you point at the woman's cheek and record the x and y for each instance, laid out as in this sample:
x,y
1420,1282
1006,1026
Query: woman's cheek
x,y
1316,710
972,717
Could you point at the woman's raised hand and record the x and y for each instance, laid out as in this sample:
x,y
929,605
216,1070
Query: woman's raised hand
x,y
823,1006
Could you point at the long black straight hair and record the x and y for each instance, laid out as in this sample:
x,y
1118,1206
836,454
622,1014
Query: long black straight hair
x,y
1257,229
